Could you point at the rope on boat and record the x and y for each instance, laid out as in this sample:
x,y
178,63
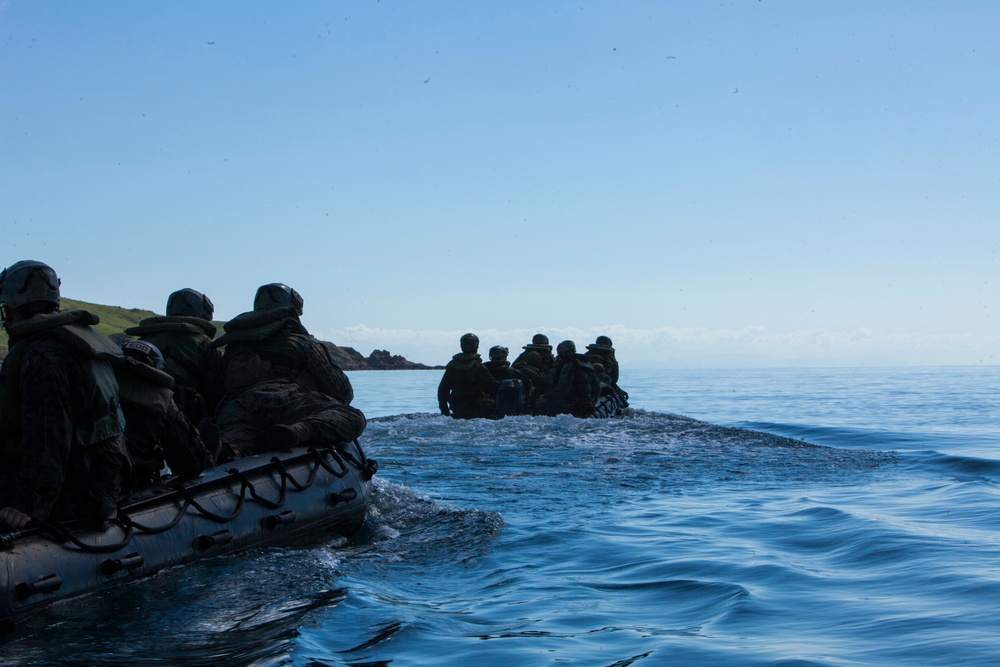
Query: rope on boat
x,y
368,466
337,452
66,536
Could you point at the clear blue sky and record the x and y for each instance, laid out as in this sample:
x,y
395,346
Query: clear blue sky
x,y
709,183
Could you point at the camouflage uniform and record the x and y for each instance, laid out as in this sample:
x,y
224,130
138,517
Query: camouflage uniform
x,y
273,345
543,359
156,431
62,451
502,370
247,422
572,387
467,390
535,362
195,366
277,374
605,356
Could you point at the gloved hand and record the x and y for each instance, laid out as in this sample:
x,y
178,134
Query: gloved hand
x,y
14,518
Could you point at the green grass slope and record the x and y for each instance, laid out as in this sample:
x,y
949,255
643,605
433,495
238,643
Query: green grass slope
x,y
115,320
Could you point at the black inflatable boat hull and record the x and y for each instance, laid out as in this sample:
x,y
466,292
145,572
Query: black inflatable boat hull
x,y
292,497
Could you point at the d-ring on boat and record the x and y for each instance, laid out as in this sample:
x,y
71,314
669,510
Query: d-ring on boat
x,y
274,498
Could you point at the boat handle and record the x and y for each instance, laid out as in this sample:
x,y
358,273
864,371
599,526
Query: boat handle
x,y
215,539
286,518
343,496
23,591
114,565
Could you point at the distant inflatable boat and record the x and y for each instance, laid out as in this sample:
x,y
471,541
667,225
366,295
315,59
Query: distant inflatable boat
x,y
274,498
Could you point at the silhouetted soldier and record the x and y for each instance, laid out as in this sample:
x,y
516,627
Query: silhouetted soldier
x,y
61,450
184,336
282,387
467,390
572,387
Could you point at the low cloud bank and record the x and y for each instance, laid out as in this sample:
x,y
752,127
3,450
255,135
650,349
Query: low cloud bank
x,y
700,347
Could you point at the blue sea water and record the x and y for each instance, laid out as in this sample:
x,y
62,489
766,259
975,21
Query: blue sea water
x,y
732,517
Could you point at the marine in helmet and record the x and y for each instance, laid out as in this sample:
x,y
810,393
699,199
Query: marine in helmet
x,y
184,336
513,388
572,387
537,355
62,450
499,367
467,390
281,385
270,343
534,363
602,352
157,433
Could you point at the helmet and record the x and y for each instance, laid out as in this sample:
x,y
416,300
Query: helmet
x,y
190,303
144,352
603,340
277,295
469,342
566,347
539,339
27,282
498,353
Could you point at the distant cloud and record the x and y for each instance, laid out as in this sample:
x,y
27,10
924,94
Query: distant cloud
x,y
696,346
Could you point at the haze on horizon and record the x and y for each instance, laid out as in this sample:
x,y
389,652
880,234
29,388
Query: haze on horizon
x,y
745,183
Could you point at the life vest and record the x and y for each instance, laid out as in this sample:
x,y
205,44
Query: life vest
x,y
264,345
143,386
100,388
183,342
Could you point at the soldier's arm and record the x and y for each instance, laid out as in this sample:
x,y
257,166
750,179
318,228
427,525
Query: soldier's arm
x,y
183,448
444,389
333,381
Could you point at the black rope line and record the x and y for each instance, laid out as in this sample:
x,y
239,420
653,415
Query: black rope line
x,y
126,520
65,535
337,453
248,485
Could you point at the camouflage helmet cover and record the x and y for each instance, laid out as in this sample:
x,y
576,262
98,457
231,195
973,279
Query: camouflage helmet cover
x,y
188,302
27,282
566,347
277,295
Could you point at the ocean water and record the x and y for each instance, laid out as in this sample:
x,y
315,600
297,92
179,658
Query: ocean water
x,y
732,517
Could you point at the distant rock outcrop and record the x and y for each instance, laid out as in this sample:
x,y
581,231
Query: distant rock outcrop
x,y
350,359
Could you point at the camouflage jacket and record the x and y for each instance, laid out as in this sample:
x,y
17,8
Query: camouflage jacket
x,y
62,453
605,356
267,345
157,433
195,366
467,389
572,387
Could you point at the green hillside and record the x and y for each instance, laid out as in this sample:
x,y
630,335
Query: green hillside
x,y
115,320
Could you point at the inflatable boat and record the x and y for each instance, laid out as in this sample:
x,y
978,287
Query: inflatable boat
x,y
611,403
292,497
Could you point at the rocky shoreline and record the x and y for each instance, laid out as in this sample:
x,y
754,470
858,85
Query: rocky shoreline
x,y
350,359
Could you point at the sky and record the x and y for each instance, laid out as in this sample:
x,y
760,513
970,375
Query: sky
x,y
711,184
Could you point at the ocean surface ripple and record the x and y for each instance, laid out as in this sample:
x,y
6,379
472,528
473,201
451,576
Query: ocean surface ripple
x,y
775,536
